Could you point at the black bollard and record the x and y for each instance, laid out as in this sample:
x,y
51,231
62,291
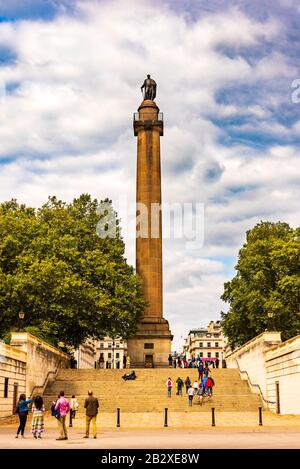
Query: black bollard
x,y
260,415
166,417
213,423
118,417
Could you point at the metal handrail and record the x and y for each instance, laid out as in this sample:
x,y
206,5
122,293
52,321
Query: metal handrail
x,y
254,385
43,386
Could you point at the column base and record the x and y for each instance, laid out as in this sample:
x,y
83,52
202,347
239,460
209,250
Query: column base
x,y
151,346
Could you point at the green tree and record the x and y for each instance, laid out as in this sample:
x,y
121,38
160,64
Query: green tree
x,y
268,278
71,283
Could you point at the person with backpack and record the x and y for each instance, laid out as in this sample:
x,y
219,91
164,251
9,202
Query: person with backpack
x,y
187,384
169,384
38,411
179,383
22,411
63,407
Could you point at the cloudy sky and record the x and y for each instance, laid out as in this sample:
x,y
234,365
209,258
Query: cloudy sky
x,y
72,71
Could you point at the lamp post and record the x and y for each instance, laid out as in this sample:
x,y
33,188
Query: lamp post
x,y
270,321
21,318
113,354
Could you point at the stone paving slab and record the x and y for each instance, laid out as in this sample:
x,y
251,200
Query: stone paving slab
x,y
213,438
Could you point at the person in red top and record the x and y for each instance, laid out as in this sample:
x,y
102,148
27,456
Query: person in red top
x,y
209,385
63,407
169,384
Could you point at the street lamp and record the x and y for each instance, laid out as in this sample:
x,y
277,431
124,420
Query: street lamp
x,y
113,354
21,318
270,321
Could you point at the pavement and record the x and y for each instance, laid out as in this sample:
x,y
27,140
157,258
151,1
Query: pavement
x,y
146,430
158,439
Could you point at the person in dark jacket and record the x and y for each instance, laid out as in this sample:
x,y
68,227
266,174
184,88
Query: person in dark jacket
x,y
22,411
91,405
187,384
180,385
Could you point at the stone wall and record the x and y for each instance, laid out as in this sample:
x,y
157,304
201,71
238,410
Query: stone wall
x,y
12,377
272,368
42,358
283,376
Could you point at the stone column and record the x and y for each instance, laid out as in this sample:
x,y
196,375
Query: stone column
x,y
154,337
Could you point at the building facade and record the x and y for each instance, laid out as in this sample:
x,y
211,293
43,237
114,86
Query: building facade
x,y
206,342
26,364
110,353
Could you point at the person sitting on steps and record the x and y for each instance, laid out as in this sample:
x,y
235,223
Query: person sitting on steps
x,y
129,376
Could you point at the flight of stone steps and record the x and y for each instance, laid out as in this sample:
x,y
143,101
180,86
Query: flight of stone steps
x,y
148,393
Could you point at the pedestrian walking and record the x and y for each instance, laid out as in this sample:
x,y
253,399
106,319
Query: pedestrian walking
x,y
62,407
170,360
200,371
190,393
206,370
217,362
124,360
169,384
74,405
91,406
200,393
195,386
38,411
22,411
209,385
187,384
180,385
203,382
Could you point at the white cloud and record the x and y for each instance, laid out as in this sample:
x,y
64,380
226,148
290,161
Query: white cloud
x,y
68,127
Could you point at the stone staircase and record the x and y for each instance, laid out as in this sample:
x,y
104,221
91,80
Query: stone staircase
x,y
148,393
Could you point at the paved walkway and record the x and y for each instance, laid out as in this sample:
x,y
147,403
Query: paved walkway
x,y
158,439
186,430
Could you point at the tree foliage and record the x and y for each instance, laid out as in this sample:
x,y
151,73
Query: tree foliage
x,y
267,279
71,283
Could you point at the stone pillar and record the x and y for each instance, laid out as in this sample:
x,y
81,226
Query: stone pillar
x,y
152,344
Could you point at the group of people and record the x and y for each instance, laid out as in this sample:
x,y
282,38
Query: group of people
x,y
201,387
60,408
181,361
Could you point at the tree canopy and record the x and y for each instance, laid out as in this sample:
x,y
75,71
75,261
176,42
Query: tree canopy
x,y
71,283
267,279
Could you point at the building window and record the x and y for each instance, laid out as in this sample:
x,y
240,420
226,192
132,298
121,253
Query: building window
x,y
101,345
217,354
201,344
209,354
109,345
208,344
216,335
118,346
117,355
109,355
149,346
208,335
101,355
217,344
5,387
201,354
